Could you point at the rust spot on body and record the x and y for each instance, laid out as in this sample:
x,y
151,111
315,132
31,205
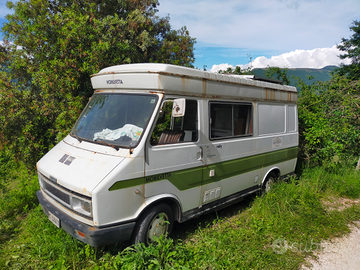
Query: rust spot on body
x,y
269,94
289,96
183,83
204,82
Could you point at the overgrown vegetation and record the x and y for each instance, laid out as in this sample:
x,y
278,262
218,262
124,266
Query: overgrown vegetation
x,y
329,121
249,235
53,48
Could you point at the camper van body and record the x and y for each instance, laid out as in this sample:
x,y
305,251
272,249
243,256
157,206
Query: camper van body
x,y
234,136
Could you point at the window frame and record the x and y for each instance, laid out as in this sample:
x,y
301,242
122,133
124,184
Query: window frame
x,y
170,98
260,119
249,124
117,146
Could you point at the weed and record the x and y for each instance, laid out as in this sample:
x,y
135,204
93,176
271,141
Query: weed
x,y
275,231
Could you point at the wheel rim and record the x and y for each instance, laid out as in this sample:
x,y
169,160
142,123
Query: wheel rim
x,y
159,225
268,184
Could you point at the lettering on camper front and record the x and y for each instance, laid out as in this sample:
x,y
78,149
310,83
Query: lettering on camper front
x,y
114,82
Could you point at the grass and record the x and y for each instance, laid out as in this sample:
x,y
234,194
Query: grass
x,y
276,231
17,197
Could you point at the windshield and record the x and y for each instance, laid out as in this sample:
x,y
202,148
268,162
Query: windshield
x,y
115,119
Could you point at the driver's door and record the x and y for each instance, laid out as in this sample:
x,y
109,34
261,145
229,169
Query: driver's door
x,y
173,163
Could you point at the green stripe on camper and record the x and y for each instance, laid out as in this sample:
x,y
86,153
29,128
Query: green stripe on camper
x,y
194,177
235,167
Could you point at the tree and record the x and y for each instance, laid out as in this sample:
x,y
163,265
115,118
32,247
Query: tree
x,y
351,47
329,121
278,74
53,47
237,70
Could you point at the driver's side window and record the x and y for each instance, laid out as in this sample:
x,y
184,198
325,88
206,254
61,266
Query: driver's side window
x,y
169,129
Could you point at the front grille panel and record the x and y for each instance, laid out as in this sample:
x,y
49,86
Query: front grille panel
x,y
62,194
57,193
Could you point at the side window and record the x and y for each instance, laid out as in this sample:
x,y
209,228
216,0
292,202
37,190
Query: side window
x,y
230,120
271,118
291,118
170,129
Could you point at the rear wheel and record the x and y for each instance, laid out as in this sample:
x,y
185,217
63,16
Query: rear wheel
x,y
155,222
269,181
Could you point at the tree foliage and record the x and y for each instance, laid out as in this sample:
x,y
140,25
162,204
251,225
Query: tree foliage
x,y
53,47
351,47
329,112
278,74
237,70
329,121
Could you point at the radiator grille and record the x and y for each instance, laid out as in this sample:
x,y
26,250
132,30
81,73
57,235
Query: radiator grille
x,y
62,194
57,193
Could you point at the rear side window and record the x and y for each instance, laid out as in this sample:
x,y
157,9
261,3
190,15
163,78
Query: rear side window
x,y
291,118
230,120
272,118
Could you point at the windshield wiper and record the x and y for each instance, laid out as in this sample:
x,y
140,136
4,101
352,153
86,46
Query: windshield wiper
x,y
76,136
131,148
116,147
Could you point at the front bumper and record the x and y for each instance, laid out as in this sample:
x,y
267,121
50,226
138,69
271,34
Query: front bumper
x,y
93,236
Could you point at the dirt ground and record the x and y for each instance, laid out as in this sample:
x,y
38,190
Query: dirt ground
x,y
341,253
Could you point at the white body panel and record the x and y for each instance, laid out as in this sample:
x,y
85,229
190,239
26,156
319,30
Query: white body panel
x,y
86,171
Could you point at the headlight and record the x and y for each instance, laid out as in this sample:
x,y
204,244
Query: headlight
x,y
41,180
80,205
77,202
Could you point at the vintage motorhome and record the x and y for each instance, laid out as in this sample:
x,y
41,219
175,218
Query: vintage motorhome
x,y
159,143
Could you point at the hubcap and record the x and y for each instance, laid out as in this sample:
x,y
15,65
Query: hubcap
x,y
158,226
268,184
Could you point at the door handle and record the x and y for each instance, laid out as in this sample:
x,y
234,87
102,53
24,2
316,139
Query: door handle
x,y
201,154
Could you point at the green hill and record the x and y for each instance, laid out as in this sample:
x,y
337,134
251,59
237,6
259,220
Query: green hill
x,y
322,74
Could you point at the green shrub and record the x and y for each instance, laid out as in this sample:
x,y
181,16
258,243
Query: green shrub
x,y
328,121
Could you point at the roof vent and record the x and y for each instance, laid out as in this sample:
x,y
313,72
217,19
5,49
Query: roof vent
x,y
262,79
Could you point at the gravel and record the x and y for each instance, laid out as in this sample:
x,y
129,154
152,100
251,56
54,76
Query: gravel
x,y
341,253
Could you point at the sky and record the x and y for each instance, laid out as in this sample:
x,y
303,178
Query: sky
x,y
260,33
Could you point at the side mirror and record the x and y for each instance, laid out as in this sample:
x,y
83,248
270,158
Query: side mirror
x,y
178,107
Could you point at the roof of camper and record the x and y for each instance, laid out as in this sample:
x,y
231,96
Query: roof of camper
x,y
167,69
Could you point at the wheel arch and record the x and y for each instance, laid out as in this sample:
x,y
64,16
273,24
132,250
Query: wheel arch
x,y
275,170
168,199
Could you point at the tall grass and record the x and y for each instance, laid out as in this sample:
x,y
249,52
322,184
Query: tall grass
x,y
275,231
17,195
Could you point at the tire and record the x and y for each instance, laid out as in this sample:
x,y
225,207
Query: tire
x,y
156,221
269,181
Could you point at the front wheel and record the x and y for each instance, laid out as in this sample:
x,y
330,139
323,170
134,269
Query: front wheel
x,y
155,222
269,181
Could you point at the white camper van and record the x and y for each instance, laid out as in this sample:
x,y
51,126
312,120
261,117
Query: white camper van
x,y
159,143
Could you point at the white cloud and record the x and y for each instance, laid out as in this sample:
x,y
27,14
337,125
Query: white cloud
x,y
273,25
316,58
216,68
